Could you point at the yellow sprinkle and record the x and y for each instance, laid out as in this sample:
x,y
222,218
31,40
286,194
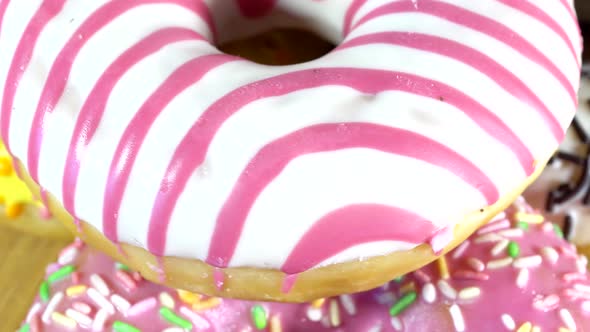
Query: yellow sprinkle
x,y
188,297
14,210
563,329
318,303
443,268
536,329
334,313
408,287
63,320
5,167
526,327
76,290
275,324
166,300
529,218
207,304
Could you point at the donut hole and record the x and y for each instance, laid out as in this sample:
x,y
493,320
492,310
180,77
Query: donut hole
x,y
272,33
279,47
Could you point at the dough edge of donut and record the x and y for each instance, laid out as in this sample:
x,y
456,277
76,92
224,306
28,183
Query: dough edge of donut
x,y
265,284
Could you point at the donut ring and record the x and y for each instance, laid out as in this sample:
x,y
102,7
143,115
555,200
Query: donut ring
x,y
151,145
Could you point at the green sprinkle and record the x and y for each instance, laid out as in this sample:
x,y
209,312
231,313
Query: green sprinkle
x,y
523,225
558,231
25,328
119,326
399,279
172,318
513,249
61,273
123,267
259,317
403,303
44,291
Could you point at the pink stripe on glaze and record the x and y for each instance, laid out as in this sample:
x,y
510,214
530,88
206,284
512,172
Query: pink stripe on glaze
x,y
3,7
57,78
353,225
487,66
191,151
350,13
530,9
481,24
274,157
92,111
21,58
132,139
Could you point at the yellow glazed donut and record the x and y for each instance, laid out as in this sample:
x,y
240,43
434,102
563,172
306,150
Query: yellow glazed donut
x,y
212,173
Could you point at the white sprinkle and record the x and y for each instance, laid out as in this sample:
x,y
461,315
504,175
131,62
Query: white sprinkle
x,y
348,304
528,262
499,263
200,322
495,226
550,254
522,279
429,293
446,289
499,247
460,250
334,314
469,293
79,317
508,322
34,310
547,227
174,329
582,264
397,324
166,300
582,288
567,319
100,300
314,314
377,327
476,264
50,308
512,232
98,283
586,306
99,320
486,238
457,316
68,256
120,303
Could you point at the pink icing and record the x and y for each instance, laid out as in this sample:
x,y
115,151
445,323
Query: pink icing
x,y
352,10
288,283
94,106
550,288
192,150
484,25
256,8
441,239
3,6
354,225
273,158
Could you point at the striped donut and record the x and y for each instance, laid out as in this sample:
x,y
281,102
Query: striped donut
x,y
426,112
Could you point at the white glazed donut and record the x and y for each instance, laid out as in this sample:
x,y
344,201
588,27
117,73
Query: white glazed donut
x,y
426,112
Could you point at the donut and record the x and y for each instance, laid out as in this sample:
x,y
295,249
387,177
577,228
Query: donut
x,y
562,192
208,172
517,273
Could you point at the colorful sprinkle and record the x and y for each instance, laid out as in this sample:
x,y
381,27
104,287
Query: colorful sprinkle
x,y
82,307
470,275
525,327
523,225
348,304
211,302
447,290
120,303
522,279
126,280
142,306
536,329
476,264
460,250
200,322
512,232
44,291
60,274
495,226
529,218
487,238
508,321
259,317
121,266
166,300
550,254
79,317
457,317
528,262
25,328
314,314
443,268
499,247
275,324
469,293
334,314
119,326
50,308
100,300
558,231
567,319
396,323
513,249
173,318
77,290
499,263
100,285
63,320
403,303
100,320
429,293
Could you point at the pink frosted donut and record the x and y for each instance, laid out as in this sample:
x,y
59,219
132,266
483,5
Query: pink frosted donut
x,y
515,272
127,115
